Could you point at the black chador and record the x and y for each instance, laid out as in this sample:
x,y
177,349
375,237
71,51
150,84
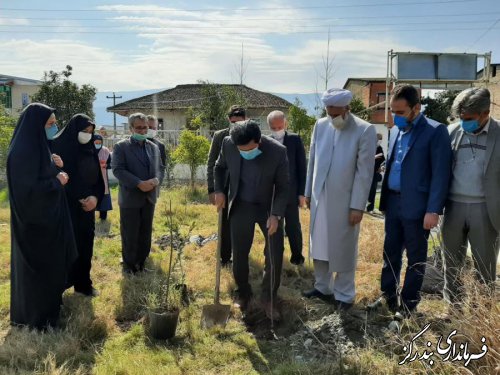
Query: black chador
x,y
42,242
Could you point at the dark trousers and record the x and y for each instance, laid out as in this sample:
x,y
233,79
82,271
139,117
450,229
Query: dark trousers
x,y
136,227
84,230
103,215
293,229
243,218
373,192
225,252
403,234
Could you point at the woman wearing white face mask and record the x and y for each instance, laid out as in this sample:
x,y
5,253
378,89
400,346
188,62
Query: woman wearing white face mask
x,y
104,155
74,145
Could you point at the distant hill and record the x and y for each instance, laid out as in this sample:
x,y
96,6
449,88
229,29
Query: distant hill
x,y
106,118
101,103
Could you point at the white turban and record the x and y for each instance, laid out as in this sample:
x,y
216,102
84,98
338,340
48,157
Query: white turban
x,y
336,97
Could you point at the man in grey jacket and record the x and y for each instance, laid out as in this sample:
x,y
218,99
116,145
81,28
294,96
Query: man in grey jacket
x,y
472,213
258,193
136,163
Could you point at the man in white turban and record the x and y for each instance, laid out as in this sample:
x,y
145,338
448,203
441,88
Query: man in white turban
x,y
338,183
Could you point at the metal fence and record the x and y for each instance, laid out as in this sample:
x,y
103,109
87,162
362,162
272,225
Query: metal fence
x,y
167,137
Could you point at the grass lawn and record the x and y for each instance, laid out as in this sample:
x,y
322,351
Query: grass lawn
x,y
106,335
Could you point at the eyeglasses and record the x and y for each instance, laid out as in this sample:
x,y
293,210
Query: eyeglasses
x,y
141,128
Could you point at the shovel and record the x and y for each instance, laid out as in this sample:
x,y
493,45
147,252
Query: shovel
x,y
216,314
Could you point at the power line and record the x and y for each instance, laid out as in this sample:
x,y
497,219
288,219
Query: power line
x,y
485,32
239,27
121,18
240,9
235,33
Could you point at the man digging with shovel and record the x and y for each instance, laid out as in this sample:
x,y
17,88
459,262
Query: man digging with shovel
x,y
258,194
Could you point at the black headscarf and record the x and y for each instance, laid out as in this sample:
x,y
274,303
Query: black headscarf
x,y
28,155
42,242
80,160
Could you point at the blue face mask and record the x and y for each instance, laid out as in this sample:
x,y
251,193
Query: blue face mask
x,y
252,154
140,137
51,132
469,126
400,121
98,146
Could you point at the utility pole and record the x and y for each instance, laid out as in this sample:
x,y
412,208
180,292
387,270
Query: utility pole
x,y
114,97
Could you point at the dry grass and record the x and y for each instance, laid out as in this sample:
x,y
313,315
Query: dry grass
x,y
106,335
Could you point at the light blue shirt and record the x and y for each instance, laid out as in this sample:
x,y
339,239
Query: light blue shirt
x,y
400,149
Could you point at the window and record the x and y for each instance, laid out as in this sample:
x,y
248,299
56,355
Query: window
x,y
6,96
380,97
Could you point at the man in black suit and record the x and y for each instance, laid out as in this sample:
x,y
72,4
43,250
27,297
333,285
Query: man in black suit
x,y
297,177
236,113
152,136
137,166
377,176
258,193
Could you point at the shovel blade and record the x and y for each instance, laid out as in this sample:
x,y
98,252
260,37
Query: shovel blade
x,y
216,314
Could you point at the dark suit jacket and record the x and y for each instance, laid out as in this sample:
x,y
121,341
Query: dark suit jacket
x,y
163,153
273,163
213,155
425,170
491,168
130,169
297,164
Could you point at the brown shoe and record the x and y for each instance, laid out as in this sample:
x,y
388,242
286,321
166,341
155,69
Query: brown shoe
x,y
272,313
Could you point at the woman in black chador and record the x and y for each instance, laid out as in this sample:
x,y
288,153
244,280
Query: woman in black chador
x,y
84,190
42,243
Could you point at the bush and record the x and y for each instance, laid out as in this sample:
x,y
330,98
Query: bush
x,y
7,125
192,150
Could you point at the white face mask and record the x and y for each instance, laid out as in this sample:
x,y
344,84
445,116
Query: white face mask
x,y
279,134
84,138
152,133
337,122
379,142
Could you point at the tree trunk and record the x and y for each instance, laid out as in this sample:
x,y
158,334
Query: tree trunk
x,y
193,176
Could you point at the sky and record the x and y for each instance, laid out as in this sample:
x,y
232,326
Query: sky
x,y
123,45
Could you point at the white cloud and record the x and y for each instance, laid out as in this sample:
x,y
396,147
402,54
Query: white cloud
x,y
14,21
164,60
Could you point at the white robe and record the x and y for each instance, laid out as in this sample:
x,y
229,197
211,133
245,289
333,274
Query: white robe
x,y
339,177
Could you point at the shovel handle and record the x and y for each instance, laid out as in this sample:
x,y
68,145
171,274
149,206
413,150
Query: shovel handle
x,y
217,260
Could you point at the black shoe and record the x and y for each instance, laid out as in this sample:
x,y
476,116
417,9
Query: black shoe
x,y
297,259
404,313
392,304
128,269
243,302
314,293
344,306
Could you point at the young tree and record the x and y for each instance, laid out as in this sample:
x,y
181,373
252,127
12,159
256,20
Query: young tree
x,y
439,108
64,95
216,101
193,151
193,120
7,125
300,122
169,168
359,109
